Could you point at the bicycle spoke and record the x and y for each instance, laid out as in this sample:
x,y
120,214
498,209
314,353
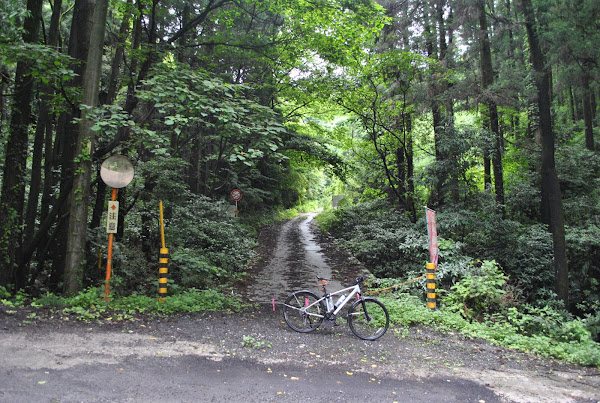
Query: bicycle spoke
x,y
368,319
301,313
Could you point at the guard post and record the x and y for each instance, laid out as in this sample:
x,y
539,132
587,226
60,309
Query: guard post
x,y
163,261
433,257
431,302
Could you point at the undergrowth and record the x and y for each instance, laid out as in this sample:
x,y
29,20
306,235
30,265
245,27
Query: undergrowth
x,y
554,336
90,305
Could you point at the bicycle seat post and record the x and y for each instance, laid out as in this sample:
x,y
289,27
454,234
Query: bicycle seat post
x,y
328,298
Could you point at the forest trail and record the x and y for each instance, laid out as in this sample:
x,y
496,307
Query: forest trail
x,y
293,253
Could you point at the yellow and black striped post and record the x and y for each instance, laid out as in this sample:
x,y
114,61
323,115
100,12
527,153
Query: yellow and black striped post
x,y
431,303
163,270
163,260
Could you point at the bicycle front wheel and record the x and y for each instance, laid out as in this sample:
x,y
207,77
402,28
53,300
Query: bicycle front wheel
x,y
368,319
300,314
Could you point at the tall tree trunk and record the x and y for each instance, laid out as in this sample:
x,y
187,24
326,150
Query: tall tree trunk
x,y
49,179
66,133
442,106
572,105
487,80
115,69
552,209
487,171
113,84
448,61
410,168
4,80
13,184
588,115
43,139
436,198
78,213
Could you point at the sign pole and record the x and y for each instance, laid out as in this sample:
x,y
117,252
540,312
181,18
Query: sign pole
x,y
117,172
236,196
109,255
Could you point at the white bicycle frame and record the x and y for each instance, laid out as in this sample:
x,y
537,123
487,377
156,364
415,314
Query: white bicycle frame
x,y
355,290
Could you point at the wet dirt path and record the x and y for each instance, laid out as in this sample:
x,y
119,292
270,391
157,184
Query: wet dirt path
x,y
293,257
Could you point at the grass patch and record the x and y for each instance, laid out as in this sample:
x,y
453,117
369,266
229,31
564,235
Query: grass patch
x,y
579,348
90,305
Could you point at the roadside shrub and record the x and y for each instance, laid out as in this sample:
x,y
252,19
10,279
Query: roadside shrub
x,y
89,304
385,241
592,322
583,250
523,251
572,344
13,300
194,269
479,293
205,234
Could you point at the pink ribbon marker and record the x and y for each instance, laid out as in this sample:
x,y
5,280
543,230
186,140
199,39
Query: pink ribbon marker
x,y
273,304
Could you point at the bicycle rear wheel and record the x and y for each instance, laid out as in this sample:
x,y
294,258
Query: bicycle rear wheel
x,y
368,319
300,315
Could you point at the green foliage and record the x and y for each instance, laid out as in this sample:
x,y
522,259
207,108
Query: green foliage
x,y
8,299
189,100
90,304
567,340
523,251
12,13
591,319
251,342
4,294
583,248
201,300
194,270
210,248
479,293
48,66
385,241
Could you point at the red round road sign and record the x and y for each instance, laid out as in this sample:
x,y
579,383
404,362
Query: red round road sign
x,y
236,195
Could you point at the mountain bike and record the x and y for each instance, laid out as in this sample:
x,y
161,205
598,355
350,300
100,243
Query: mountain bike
x,y
368,318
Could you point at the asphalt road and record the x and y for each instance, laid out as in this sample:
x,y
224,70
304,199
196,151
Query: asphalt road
x,y
200,379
